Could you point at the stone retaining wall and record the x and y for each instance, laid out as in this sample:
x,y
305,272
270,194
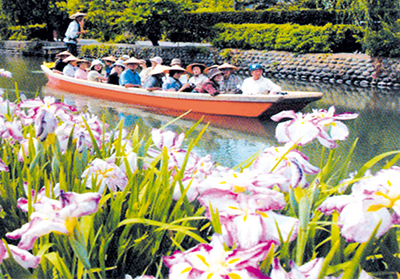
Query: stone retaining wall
x,y
344,68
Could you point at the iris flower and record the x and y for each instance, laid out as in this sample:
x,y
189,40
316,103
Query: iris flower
x,y
289,163
6,74
373,200
22,257
212,261
172,142
58,216
105,173
320,124
248,218
3,166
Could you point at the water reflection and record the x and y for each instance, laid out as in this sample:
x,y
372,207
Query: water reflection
x,y
233,140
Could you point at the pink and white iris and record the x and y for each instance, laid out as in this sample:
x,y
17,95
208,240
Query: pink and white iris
x,y
44,114
247,217
212,261
287,162
22,257
57,216
373,200
320,124
172,142
105,173
5,73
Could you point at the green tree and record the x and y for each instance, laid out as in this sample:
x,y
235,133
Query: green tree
x,y
152,19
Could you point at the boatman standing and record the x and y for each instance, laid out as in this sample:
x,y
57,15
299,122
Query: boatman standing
x,y
257,84
75,29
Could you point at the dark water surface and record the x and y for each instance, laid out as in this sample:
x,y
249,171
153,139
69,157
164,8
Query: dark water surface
x,y
230,140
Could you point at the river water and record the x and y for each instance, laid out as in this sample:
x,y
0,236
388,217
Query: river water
x,y
230,140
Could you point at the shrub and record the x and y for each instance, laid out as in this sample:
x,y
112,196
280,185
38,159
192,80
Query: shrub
x,y
28,32
288,37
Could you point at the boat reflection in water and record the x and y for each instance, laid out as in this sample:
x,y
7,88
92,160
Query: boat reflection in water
x,y
230,140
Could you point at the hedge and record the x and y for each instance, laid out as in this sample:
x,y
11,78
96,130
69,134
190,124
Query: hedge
x,y
197,27
289,37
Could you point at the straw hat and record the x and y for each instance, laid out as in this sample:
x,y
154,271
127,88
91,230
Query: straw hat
x,y
200,65
78,14
176,61
132,60
228,66
216,73
156,59
124,57
79,61
67,53
70,58
211,69
174,68
109,58
158,70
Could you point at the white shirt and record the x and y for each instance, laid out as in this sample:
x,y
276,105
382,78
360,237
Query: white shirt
x,y
261,86
69,70
198,80
71,33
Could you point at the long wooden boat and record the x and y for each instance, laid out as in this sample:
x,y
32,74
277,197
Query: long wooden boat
x,y
224,104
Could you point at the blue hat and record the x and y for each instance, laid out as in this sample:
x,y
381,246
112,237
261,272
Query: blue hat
x,y
255,66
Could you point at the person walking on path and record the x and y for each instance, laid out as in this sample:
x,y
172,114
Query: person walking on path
x,y
75,29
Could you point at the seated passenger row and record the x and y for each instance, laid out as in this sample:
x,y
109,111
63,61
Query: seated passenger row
x,y
155,76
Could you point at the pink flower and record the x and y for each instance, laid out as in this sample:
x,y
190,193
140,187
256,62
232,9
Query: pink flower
x,y
195,173
6,74
55,216
170,141
304,128
105,173
247,217
22,257
3,166
287,162
300,129
373,200
81,133
212,261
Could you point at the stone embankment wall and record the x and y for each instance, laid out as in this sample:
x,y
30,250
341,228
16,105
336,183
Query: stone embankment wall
x,y
344,68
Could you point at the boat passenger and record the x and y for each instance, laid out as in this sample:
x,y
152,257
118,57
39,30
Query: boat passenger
x,y
70,69
172,82
146,68
129,78
59,63
95,73
231,83
184,77
257,84
211,85
108,60
197,70
75,29
155,79
81,72
117,67
211,70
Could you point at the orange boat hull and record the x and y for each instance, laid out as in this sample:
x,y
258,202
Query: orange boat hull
x,y
230,105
